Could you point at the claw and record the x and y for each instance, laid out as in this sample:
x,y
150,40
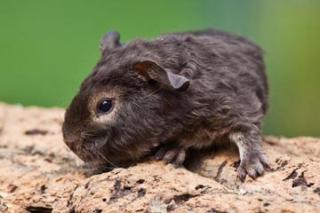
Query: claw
x,y
174,155
252,173
170,155
242,174
160,153
259,169
180,158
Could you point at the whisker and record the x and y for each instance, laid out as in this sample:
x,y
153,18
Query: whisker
x,y
106,159
152,93
87,134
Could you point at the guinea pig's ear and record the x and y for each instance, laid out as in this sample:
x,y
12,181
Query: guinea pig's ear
x,y
149,70
110,41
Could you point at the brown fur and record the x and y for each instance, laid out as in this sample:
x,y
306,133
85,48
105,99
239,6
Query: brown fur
x,y
186,90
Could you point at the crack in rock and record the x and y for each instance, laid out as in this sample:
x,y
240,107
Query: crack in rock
x,y
39,209
301,181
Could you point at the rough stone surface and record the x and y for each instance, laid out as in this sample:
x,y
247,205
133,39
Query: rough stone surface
x,y
39,174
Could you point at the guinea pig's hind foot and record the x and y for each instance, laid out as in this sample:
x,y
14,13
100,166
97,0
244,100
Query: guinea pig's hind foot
x,y
253,161
253,164
169,154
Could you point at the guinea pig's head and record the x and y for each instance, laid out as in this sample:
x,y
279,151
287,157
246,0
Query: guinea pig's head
x,y
128,105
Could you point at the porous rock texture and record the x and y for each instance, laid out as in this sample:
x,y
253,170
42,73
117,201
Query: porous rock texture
x,y
39,174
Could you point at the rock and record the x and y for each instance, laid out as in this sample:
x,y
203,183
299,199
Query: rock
x,y
40,174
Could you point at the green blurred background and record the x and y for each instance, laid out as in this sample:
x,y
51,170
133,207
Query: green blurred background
x,y
48,47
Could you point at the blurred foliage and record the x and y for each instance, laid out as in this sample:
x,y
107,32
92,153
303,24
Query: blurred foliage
x,y
48,47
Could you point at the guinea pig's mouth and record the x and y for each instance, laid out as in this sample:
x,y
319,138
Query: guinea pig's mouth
x,y
96,158
100,155
93,144
97,152
96,141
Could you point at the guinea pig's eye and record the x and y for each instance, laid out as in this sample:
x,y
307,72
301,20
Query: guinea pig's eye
x,y
104,106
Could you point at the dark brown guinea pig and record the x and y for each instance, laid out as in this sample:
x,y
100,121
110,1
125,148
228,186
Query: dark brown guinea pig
x,y
180,91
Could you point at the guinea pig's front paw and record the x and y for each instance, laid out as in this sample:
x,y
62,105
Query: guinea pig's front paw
x,y
253,164
169,154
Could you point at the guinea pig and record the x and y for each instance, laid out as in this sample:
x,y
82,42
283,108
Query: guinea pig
x,y
176,92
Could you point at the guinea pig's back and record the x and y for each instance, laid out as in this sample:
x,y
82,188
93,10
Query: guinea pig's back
x,y
234,58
